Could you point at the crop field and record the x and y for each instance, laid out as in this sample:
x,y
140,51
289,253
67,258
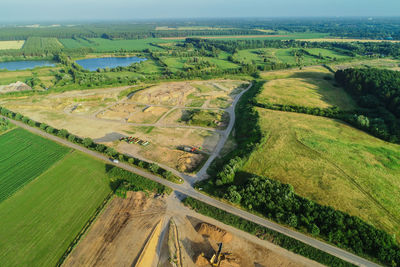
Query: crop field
x,y
34,44
40,221
332,164
106,45
310,87
11,44
24,156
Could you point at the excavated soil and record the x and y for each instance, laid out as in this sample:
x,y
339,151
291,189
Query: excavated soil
x,y
119,235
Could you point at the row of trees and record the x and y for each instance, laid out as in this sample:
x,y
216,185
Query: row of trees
x,y
90,144
266,234
350,49
279,202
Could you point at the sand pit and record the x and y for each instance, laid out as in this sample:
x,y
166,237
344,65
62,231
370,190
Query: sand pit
x,y
214,233
119,235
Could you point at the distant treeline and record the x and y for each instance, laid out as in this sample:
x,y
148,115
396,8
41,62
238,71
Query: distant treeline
x,y
350,49
113,31
377,28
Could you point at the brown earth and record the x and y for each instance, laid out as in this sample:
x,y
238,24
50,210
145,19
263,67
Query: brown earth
x,y
119,235
214,233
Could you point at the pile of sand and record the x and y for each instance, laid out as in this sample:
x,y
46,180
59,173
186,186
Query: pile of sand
x,y
214,233
14,87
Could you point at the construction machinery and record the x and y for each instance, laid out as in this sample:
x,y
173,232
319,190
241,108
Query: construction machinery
x,y
134,140
218,257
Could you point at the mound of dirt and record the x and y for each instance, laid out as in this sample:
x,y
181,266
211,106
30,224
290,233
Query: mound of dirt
x,y
14,87
202,261
214,233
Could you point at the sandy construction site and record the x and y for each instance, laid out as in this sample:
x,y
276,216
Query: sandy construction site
x,y
147,230
152,113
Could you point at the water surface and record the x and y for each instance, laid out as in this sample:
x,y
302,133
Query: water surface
x,y
93,64
25,64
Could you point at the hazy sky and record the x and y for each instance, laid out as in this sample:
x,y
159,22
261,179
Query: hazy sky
x,y
41,10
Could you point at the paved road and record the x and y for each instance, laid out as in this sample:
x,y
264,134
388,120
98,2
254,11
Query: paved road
x,y
188,190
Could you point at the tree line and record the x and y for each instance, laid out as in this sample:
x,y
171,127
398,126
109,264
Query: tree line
x,y
90,144
266,234
279,201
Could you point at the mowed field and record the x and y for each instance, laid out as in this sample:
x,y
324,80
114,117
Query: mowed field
x,y
11,44
23,157
310,87
40,221
333,164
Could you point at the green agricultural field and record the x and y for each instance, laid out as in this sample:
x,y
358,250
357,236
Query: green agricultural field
x,y
331,163
310,87
40,221
106,45
11,44
24,156
37,44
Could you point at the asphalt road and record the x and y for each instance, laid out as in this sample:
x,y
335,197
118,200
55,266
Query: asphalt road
x,y
188,190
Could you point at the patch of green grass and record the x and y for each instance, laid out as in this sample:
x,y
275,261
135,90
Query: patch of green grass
x,y
204,118
310,87
333,164
24,156
40,221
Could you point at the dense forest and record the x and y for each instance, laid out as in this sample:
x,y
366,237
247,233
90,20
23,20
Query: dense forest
x,y
367,28
378,92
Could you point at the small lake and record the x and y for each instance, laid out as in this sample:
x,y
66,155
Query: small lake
x,y
93,64
26,64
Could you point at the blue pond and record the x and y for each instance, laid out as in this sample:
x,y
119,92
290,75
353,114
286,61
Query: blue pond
x,y
110,62
24,65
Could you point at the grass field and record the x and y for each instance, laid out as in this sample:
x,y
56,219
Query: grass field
x,y
257,56
106,45
310,87
44,74
24,156
11,44
177,63
40,221
34,44
332,164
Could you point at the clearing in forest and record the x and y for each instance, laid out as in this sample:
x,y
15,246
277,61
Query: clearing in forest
x,y
331,163
310,87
